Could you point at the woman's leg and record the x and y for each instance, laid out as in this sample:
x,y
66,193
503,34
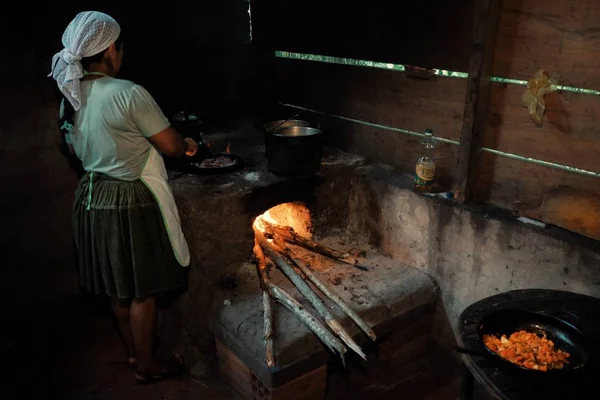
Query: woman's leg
x,y
143,327
121,311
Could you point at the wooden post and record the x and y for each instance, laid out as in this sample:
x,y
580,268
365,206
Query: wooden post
x,y
487,15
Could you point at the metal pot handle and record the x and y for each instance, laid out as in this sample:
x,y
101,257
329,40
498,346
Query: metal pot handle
x,y
471,352
284,121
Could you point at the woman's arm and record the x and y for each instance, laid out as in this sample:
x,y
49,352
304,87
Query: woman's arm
x,y
170,143
152,123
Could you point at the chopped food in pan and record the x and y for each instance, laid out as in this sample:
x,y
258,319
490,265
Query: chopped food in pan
x,y
216,162
528,350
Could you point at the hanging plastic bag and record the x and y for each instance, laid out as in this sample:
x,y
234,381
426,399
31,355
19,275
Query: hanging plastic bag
x,y
538,87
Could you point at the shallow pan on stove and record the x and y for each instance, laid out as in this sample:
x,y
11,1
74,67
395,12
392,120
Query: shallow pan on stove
x,y
193,166
565,336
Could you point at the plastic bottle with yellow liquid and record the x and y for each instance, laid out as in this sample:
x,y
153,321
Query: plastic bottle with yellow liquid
x,y
425,171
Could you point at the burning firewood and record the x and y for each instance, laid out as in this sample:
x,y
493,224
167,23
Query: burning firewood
x,y
261,266
299,311
361,323
276,254
288,234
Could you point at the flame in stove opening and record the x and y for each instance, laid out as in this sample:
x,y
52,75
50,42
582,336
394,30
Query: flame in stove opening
x,y
267,217
295,215
228,148
258,221
258,225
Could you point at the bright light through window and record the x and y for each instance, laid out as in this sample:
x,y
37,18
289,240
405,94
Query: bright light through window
x,y
249,22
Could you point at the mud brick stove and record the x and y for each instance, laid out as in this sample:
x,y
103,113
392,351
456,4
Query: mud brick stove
x,y
225,293
428,260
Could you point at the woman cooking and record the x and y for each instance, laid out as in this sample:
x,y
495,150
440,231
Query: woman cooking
x,y
125,222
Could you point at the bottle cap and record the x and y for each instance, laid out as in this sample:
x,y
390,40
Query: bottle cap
x,y
428,132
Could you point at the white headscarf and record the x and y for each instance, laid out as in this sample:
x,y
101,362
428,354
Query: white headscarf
x,y
88,34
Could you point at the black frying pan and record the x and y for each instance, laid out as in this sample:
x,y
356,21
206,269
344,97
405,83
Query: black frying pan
x,y
565,336
193,167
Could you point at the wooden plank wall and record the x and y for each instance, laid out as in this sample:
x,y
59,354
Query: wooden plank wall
x,y
382,97
558,35
385,31
561,36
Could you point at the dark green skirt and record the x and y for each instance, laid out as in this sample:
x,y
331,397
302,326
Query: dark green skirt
x,y
123,247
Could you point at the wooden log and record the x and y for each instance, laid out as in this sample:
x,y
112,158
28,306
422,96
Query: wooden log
x,y
268,318
275,253
361,323
308,319
261,265
288,234
298,310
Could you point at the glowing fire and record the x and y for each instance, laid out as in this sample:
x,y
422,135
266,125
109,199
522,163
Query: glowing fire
x,y
258,224
295,215
266,217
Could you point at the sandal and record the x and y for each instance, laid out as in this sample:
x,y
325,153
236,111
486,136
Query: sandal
x,y
174,367
131,361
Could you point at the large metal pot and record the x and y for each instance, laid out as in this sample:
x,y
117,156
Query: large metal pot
x,y
294,151
284,124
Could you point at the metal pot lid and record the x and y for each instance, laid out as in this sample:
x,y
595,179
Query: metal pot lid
x,y
298,131
282,124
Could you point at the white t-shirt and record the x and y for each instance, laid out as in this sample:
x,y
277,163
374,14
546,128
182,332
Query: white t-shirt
x,y
111,128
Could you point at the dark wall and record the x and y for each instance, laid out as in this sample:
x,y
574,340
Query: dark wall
x,y
433,34
185,53
190,53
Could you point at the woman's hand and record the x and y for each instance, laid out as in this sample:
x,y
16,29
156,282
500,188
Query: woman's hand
x,y
171,144
192,147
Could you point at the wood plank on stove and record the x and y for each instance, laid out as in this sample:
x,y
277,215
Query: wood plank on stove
x,y
557,35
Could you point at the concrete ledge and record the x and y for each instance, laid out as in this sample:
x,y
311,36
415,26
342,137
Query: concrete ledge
x,y
472,252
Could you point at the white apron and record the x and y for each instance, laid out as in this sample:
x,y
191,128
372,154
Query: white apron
x,y
155,178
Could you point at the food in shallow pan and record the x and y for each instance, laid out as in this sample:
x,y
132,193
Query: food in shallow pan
x,y
528,350
216,162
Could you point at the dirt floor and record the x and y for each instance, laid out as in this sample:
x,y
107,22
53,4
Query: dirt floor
x,y
70,350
